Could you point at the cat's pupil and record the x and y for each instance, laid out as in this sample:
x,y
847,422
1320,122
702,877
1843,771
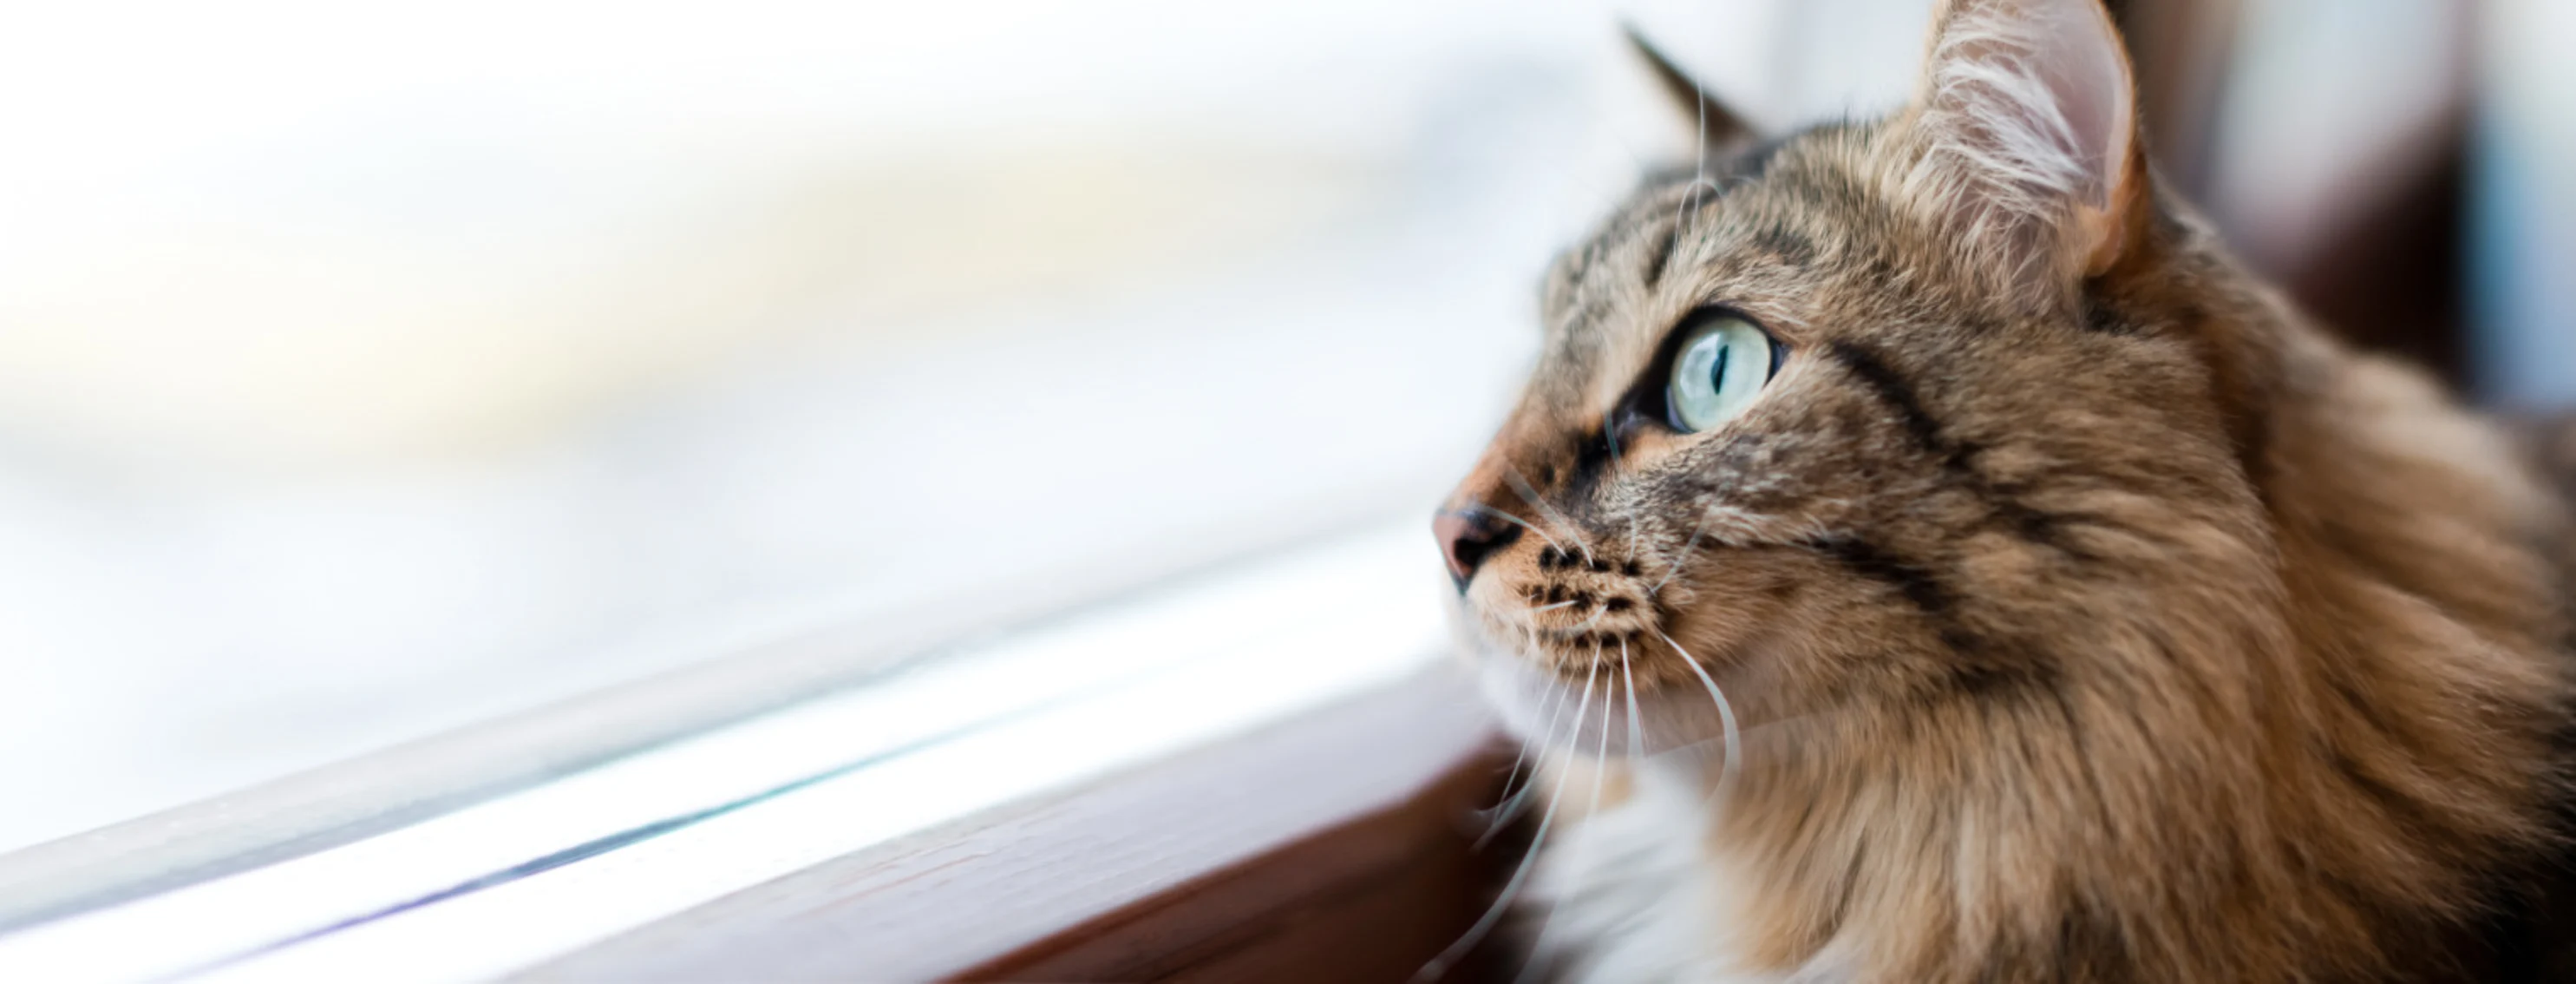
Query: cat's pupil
x,y
1717,369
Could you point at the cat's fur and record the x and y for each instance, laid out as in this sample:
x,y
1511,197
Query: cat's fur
x,y
2087,614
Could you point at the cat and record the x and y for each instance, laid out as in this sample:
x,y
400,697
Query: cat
x,y
1922,554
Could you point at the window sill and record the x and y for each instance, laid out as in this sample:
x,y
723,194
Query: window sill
x,y
1234,862
1140,789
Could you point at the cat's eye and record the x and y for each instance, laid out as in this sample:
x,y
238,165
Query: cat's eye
x,y
1721,365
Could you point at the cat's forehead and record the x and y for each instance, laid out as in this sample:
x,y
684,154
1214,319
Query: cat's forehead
x,y
1772,228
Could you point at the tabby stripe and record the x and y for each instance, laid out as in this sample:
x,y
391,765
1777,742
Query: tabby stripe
x,y
2035,525
1896,393
2101,317
1919,586
1593,454
1696,198
1786,246
1871,561
2414,815
1661,253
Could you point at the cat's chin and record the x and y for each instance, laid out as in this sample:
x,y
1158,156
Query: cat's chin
x,y
1539,708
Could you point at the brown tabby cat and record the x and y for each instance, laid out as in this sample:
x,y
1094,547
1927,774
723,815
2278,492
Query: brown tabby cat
x,y
1962,570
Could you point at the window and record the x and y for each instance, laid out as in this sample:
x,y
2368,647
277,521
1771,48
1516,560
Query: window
x,y
801,489
375,374
415,416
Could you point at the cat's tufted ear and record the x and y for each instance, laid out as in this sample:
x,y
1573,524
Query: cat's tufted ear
x,y
2028,117
1719,128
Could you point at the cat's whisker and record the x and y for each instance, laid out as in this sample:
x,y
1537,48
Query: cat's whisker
x,y
1600,773
1550,608
1520,875
1673,566
1529,493
1699,113
1689,207
1699,163
1551,704
1636,725
1610,433
1725,718
1587,624
1749,734
1516,799
1501,816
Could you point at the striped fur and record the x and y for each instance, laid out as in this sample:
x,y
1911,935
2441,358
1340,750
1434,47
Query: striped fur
x,y
2086,613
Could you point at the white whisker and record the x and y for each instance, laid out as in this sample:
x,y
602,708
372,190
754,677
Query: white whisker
x,y
1511,888
1610,433
1725,717
1530,493
1674,566
1516,800
1688,206
1522,523
1553,698
1636,726
1587,624
1600,771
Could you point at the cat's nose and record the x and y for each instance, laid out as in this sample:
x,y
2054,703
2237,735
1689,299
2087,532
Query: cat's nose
x,y
1467,536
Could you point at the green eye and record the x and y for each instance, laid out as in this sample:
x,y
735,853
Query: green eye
x,y
1721,367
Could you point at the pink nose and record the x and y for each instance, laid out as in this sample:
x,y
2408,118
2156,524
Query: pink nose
x,y
1467,536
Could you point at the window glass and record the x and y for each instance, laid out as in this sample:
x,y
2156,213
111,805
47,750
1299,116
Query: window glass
x,y
366,372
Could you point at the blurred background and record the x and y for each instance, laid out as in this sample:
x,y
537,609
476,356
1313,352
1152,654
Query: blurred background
x,y
366,371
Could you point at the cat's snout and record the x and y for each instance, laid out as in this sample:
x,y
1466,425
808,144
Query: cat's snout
x,y
1467,536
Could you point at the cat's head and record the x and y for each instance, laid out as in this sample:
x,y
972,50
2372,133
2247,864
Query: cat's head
x,y
1845,421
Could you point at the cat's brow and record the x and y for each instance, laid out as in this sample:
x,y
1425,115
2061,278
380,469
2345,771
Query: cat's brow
x,y
1788,246
1670,221
1661,253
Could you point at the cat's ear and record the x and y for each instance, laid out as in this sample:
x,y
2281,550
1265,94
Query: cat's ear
x,y
1718,127
2028,114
